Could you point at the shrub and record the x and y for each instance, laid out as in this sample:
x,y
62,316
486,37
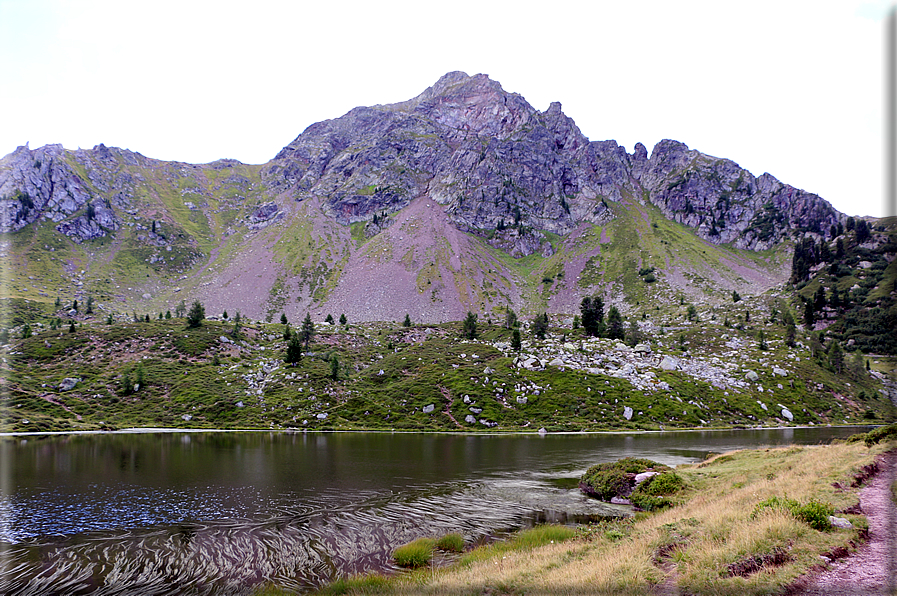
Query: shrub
x,y
814,513
417,553
613,479
877,435
650,495
453,543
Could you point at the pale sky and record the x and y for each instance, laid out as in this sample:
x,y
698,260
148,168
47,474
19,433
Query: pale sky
x,y
793,88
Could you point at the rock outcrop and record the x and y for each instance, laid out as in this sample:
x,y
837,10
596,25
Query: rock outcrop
x,y
492,160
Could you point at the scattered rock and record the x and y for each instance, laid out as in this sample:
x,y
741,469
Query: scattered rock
x,y
627,413
840,522
69,383
429,408
752,376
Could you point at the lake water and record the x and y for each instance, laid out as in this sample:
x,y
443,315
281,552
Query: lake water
x,y
218,513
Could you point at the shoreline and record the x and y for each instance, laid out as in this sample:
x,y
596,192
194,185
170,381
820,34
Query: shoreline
x,y
163,430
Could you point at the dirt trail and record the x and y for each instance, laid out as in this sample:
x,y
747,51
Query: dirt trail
x,y
872,570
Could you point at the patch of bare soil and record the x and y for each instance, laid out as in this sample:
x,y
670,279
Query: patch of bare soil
x,y
872,570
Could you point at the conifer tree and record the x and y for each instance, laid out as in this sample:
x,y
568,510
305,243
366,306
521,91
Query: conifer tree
x,y
469,330
308,330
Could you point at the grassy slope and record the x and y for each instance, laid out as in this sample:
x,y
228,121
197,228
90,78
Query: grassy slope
x,y
421,366
688,547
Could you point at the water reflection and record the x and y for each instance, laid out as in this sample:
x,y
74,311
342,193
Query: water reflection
x,y
220,512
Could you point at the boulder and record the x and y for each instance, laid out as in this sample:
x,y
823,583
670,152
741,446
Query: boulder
x,y
786,413
429,408
639,478
669,363
627,412
69,383
643,349
470,419
840,522
752,376
779,372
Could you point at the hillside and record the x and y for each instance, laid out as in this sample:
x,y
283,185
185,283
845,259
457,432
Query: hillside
x,y
463,198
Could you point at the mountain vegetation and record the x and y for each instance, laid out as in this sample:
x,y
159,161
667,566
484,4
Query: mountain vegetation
x,y
647,287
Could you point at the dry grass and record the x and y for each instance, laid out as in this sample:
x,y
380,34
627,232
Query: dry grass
x,y
690,546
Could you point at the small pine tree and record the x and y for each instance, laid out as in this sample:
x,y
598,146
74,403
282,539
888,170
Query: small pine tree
x,y
127,387
407,321
294,350
540,325
196,315
342,319
836,356
180,310
75,306
614,323
308,330
691,313
511,319
329,319
469,330
286,333
735,296
334,367
161,316
167,314
72,327
238,326
283,318
26,331
516,344
224,315
109,320
761,340
89,309
147,318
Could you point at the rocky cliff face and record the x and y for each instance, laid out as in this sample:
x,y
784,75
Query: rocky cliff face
x,y
496,162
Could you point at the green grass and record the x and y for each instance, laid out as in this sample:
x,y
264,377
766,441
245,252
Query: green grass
x,y
417,553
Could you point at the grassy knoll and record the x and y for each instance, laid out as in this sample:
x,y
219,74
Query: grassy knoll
x,y
716,539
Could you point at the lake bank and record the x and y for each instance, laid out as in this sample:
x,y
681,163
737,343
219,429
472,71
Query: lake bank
x,y
716,540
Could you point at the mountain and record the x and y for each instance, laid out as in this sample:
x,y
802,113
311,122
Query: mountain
x,y
462,198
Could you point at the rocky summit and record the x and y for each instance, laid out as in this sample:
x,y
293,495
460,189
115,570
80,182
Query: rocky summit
x,y
464,198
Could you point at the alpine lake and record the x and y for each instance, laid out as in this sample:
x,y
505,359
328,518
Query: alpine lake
x,y
223,512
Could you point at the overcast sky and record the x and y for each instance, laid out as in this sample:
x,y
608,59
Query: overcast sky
x,y
792,88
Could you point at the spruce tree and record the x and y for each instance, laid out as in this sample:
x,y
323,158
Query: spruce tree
x,y
540,325
469,329
407,321
283,318
516,344
308,330
294,350
342,319
196,315
614,323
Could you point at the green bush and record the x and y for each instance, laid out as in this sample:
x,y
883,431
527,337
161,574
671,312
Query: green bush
x,y
650,495
417,553
453,543
612,479
814,513
879,434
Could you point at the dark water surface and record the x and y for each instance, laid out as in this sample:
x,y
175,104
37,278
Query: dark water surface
x,y
175,513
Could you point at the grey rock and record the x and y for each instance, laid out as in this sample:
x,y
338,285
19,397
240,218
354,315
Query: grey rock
x,y
522,400
470,419
429,408
752,376
69,383
620,501
642,349
840,522
475,410
321,416
187,417
779,371
639,478
786,413
627,412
